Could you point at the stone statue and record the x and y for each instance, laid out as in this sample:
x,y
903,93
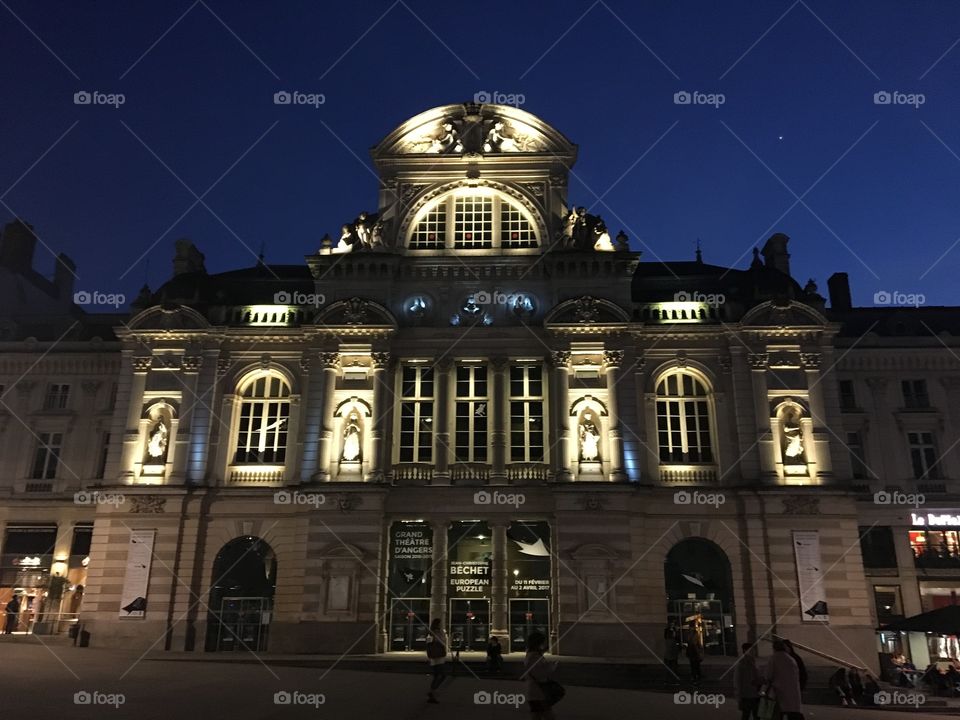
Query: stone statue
x,y
497,141
583,231
449,140
792,435
362,230
157,444
344,245
351,438
376,235
601,240
589,439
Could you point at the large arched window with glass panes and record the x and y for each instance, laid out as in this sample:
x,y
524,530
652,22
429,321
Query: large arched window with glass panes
x,y
684,423
477,218
264,419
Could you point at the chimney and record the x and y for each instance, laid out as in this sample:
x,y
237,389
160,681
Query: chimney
x,y
187,258
64,273
775,253
838,286
16,246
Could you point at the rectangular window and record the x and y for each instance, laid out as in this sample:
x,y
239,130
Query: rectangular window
x,y
923,455
473,222
848,397
877,548
515,230
58,394
472,413
102,459
46,459
416,414
915,394
855,447
526,413
888,603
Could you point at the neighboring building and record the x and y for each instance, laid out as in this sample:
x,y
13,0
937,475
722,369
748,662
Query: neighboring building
x,y
475,404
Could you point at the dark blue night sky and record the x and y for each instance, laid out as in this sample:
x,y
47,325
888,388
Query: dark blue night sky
x,y
798,79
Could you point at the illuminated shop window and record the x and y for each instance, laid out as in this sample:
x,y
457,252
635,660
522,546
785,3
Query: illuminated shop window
x,y
683,419
264,415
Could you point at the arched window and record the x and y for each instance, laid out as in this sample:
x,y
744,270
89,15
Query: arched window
x,y
683,419
473,219
264,416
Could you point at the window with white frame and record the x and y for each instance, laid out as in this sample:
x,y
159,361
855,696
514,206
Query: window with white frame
x,y
923,454
57,397
683,419
264,420
46,458
416,414
526,413
476,219
472,413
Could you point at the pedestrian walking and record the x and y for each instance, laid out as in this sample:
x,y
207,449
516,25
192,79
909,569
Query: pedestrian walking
x,y
437,657
783,677
543,692
747,682
801,666
695,657
13,612
494,655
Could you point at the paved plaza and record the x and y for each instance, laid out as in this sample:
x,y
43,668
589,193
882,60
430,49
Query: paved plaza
x,y
42,682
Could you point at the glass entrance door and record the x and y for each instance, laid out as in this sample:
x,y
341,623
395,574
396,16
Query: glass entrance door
x,y
244,623
718,632
409,623
527,616
469,624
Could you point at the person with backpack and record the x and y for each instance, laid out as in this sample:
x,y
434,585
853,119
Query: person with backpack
x,y
543,692
437,657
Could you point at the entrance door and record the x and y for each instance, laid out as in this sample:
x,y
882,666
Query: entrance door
x,y
244,623
409,623
469,624
527,616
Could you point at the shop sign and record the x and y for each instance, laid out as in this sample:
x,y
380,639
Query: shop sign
x,y
932,519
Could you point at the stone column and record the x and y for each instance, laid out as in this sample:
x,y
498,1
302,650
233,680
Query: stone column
x,y
560,360
441,422
765,437
811,362
499,581
612,359
382,390
140,366
498,420
438,583
191,410
330,361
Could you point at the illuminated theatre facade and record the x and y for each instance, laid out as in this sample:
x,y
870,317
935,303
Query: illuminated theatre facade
x,y
475,403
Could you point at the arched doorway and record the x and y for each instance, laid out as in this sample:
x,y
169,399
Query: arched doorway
x,y
699,588
241,595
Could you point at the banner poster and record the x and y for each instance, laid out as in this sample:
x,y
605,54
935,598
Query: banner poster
x,y
813,597
136,579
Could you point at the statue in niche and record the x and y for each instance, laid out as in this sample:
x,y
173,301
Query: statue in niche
x,y
351,438
589,439
157,442
792,434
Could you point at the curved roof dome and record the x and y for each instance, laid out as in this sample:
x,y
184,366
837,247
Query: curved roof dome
x,y
474,128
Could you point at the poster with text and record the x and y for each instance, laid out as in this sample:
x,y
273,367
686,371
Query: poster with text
x,y
133,601
813,597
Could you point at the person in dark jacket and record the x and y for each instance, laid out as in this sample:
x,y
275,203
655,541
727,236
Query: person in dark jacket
x,y
13,612
695,656
494,655
840,684
800,666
